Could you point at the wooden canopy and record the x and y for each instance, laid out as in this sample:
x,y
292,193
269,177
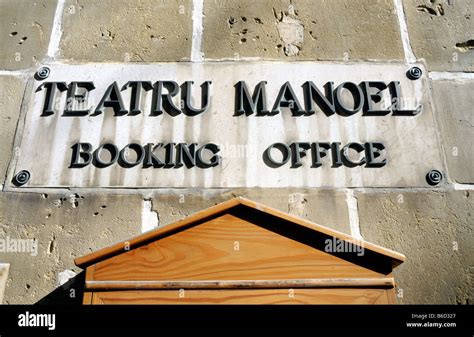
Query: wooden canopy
x,y
240,251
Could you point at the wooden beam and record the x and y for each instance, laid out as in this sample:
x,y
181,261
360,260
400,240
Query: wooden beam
x,y
243,284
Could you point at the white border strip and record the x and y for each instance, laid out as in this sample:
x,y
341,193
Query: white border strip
x,y
196,54
445,75
463,187
4,269
409,56
57,30
353,212
13,73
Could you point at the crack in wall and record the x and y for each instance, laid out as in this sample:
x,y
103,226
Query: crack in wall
x,y
436,10
150,218
296,204
290,30
465,46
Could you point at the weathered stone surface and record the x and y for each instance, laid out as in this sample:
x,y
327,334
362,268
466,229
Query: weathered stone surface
x,y
65,227
434,230
4,267
453,109
25,28
125,30
313,205
11,92
441,32
313,30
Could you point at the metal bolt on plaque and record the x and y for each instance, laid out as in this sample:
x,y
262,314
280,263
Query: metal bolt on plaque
x,y
414,73
21,178
434,177
42,73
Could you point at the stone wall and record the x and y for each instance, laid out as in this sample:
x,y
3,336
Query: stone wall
x,y
433,227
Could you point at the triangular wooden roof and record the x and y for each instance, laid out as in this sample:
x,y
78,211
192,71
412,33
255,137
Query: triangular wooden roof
x,y
218,210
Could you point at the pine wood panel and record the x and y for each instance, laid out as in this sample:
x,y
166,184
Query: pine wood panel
x,y
209,252
391,296
248,206
87,299
189,221
248,296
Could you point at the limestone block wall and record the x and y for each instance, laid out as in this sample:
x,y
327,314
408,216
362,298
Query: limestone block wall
x,y
432,226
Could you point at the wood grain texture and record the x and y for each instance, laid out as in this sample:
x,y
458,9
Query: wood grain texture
x,y
87,299
240,296
137,241
226,248
216,211
240,252
391,296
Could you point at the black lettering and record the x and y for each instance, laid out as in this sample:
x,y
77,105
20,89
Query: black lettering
x,y
74,96
186,97
325,102
372,152
111,99
244,104
336,154
185,154
298,151
49,97
370,98
396,93
169,157
164,102
136,95
319,151
287,98
151,160
81,155
357,96
345,154
97,161
139,152
213,161
270,161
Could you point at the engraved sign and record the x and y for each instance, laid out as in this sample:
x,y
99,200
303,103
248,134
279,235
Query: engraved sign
x,y
226,124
